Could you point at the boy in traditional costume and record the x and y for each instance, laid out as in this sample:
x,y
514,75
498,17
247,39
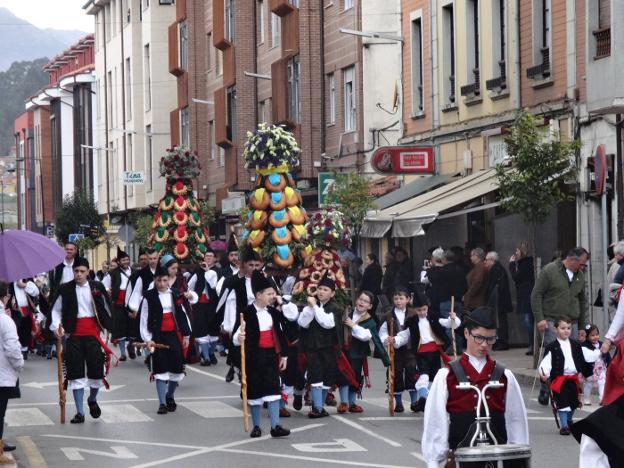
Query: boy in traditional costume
x,y
83,310
117,283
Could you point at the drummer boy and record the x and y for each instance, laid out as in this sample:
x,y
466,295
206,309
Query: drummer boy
x,y
450,412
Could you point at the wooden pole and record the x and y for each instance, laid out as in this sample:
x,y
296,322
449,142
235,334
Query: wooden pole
x,y
391,369
244,378
59,369
453,329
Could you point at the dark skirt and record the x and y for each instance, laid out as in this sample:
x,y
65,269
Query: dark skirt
x,y
262,373
568,396
120,322
405,372
80,351
204,320
24,328
168,360
321,366
10,392
428,363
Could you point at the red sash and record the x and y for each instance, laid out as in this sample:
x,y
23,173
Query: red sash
x,y
168,325
87,326
266,339
433,347
203,299
558,382
121,297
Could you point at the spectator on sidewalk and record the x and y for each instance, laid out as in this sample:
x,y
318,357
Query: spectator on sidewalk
x,y
476,280
498,297
521,269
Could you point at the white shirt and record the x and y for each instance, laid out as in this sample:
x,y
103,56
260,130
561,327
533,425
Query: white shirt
x,y
86,306
135,297
230,313
402,337
568,366
211,281
570,274
125,279
166,301
618,322
591,455
20,293
358,332
265,323
436,423
324,319
68,272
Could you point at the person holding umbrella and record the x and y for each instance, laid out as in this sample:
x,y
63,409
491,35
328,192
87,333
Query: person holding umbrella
x,y
82,309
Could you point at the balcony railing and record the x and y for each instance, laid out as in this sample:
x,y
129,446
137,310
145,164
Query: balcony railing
x,y
501,81
543,69
474,88
603,43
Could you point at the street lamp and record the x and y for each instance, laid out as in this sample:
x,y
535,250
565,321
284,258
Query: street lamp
x,y
372,34
257,75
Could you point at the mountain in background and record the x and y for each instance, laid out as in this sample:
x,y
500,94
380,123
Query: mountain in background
x,y
20,40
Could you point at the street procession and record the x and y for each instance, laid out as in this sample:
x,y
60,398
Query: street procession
x,y
337,233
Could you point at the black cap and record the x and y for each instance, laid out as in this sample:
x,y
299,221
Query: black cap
x,y
327,282
250,254
80,262
232,244
420,299
481,317
121,254
161,270
259,282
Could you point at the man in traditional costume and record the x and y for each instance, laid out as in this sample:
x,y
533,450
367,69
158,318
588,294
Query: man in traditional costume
x,y
83,311
117,283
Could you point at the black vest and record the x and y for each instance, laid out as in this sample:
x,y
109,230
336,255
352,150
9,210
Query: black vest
x,y
252,328
116,282
69,312
155,312
316,337
437,330
558,361
147,277
236,284
200,285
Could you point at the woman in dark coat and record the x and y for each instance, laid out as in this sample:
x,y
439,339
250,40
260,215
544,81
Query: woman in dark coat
x,y
371,279
521,269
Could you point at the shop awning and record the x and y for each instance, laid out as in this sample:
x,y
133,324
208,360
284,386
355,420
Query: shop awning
x,y
412,189
408,218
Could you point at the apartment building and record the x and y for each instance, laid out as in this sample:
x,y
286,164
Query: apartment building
x,y
61,158
135,94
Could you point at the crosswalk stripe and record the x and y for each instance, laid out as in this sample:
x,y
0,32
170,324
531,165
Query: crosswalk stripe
x,y
16,417
122,414
211,409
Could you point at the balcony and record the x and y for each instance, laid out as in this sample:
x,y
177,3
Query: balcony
x,y
281,7
499,83
603,43
474,88
542,70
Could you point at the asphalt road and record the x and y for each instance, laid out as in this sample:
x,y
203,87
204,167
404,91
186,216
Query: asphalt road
x,y
207,428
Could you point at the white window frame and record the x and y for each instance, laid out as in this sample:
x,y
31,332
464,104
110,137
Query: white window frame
x,y
149,157
292,82
417,64
349,99
449,53
229,20
348,4
128,89
472,51
147,77
184,45
261,21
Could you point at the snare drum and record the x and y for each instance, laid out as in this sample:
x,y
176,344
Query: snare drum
x,y
494,456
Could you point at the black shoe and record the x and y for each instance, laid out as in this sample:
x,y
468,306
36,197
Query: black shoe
x,y
204,362
131,351
138,352
9,447
316,414
230,375
543,397
213,359
298,402
324,414
162,409
78,419
420,405
256,432
222,353
122,358
49,357
25,354
94,409
564,431
279,431
171,404
399,409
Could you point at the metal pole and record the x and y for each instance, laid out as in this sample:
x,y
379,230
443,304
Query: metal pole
x,y
605,286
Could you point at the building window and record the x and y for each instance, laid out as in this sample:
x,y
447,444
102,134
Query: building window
x,y
213,144
149,155
128,90
148,78
417,66
602,35
262,112
348,4
183,45
221,157
129,159
184,126
218,62
541,39
293,89
107,22
472,88
109,98
349,99
229,20
448,38
275,30
231,113
294,3
499,44
98,95
331,88
261,20
209,51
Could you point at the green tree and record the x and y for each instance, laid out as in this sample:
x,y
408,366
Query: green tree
x,y
351,193
142,222
79,210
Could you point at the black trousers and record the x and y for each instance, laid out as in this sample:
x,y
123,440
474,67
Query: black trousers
x,y
3,406
81,351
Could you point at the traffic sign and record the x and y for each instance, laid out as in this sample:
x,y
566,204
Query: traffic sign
x,y
75,237
403,160
49,230
600,169
326,183
133,178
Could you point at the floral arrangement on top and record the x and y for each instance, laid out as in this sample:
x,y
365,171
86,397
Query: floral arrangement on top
x,y
271,147
180,163
328,229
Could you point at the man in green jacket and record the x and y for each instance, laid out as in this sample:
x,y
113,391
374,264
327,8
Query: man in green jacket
x,y
560,290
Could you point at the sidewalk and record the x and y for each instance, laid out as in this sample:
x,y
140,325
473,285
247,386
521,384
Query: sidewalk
x,y
521,365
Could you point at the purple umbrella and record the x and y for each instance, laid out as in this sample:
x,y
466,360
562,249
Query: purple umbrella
x,y
24,254
218,245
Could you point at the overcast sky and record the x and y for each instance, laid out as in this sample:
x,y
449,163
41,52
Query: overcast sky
x,y
57,14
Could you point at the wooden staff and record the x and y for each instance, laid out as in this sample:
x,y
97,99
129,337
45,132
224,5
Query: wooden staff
x,y
244,377
139,344
391,368
453,328
59,369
